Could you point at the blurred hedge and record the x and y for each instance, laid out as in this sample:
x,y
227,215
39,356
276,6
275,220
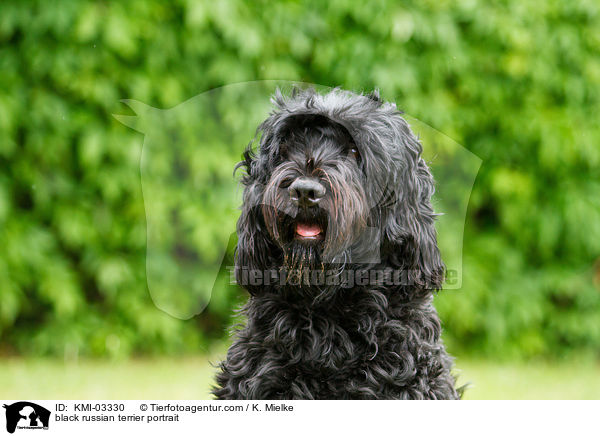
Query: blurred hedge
x,y
516,82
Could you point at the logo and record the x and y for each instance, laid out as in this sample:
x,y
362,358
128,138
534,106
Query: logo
x,y
26,415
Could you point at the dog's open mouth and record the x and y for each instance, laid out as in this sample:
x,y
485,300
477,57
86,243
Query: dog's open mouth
x,y
309,231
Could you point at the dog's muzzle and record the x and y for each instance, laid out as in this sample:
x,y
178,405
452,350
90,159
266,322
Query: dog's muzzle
x,y
306,193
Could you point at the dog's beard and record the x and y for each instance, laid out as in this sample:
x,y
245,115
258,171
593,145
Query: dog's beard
x,y
330,248
303,240
300,260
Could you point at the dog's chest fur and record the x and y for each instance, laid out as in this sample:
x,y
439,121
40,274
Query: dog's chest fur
x,y
360,345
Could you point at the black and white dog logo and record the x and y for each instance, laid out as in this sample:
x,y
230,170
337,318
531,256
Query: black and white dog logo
x,y
26,415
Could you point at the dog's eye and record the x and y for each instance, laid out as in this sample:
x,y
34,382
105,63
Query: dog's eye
x,y
285,183
354,152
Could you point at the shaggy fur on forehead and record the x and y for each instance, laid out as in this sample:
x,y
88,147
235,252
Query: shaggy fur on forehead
x,y
376,127
370,340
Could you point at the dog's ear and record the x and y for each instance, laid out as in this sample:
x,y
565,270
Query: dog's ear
x,y
255,253
409,234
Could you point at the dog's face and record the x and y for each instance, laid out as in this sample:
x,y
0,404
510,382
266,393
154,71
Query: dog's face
x,y
314,204
333,177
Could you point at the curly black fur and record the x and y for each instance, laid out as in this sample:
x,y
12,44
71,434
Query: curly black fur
x,y
332,340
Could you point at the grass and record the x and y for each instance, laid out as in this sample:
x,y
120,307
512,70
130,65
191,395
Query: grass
x,y
530,381
190,378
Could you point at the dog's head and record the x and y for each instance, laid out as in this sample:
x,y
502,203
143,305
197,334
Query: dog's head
x,y
337,178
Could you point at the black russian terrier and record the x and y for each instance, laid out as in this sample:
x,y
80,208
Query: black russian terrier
x,y
337,248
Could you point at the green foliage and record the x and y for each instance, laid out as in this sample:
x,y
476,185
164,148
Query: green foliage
x,y
515,82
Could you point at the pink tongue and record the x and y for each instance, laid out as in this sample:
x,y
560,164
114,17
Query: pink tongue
x,y
308,230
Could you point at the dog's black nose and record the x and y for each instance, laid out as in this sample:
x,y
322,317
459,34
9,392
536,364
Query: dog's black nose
x,y
306,192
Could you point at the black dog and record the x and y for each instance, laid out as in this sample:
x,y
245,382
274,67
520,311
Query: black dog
x,y
338,250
